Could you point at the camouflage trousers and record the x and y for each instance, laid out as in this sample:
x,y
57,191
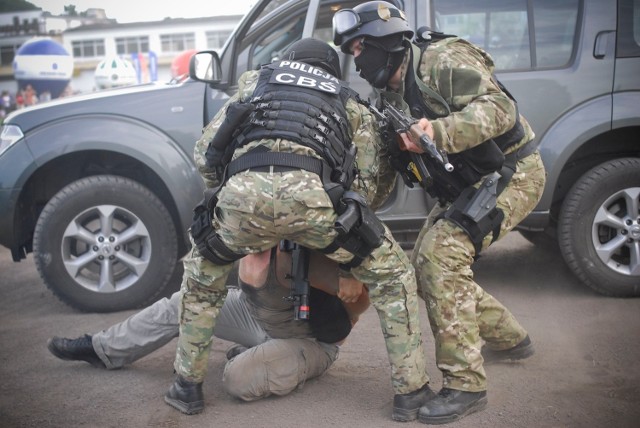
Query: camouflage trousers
x,y
462,315
255,211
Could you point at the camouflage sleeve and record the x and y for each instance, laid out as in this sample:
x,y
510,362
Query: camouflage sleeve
x,y
246,86
462,74
374,169
386,182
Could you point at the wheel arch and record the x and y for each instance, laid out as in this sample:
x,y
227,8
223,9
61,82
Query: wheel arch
x,y
580,140
129,149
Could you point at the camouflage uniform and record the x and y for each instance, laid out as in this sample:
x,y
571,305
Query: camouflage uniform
x,y
256,210
461,313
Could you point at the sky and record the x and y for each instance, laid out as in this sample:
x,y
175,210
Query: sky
x,y
150,10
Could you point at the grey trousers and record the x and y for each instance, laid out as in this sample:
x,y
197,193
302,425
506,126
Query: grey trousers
x,y
270,366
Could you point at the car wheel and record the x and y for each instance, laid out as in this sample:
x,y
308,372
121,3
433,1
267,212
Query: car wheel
x,y
105,243
599,228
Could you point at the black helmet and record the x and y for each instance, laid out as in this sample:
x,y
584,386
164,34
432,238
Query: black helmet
x,y
373,19
315,52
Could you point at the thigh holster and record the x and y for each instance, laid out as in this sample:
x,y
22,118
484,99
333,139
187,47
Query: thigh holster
x,y
360,231
476,228
205,238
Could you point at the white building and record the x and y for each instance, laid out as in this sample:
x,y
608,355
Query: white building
x,y
152,46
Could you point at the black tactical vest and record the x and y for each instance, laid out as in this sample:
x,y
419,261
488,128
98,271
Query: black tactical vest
x,y
304,104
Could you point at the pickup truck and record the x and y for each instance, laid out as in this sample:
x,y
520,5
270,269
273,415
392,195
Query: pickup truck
x,y
101,187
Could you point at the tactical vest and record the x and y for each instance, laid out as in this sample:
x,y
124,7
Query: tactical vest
x,y
470,165
306,105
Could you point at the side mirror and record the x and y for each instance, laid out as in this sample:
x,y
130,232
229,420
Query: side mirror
x,y
205,66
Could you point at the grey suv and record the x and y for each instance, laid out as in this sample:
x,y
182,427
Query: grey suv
x,y
100,188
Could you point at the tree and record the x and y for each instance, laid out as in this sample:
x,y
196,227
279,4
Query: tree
x,y
71,10
16,6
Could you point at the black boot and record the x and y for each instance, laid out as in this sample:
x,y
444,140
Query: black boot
x,y
451,405
185,396
80,349
405,406
522,350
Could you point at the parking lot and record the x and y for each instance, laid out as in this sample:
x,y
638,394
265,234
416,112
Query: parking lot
x,y
585,373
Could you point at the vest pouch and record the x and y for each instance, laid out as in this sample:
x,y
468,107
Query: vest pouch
x,y
475,163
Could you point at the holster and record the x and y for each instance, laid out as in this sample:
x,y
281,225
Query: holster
x,y
476,228
360,231
205,238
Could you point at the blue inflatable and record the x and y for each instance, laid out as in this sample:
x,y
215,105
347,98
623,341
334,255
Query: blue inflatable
x,y
44,64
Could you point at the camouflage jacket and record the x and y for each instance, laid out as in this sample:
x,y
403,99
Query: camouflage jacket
x,y
375,178
462,74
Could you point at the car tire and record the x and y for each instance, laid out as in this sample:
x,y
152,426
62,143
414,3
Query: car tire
x,y
105,243
599,228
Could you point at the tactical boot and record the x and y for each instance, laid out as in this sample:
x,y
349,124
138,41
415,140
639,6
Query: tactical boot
x,y
185,396
451,405
80,349
522,350
405,406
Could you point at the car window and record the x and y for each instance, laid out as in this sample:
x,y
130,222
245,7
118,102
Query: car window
x,y
324,31
270,36
628,41
273,5
504,29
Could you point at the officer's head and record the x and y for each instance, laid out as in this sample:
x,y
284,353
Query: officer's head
x,y
377,34
317,53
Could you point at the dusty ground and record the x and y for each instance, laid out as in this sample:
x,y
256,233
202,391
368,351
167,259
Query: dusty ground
x,y
586,372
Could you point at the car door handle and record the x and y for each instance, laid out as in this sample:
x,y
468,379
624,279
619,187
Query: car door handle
x,y
600,46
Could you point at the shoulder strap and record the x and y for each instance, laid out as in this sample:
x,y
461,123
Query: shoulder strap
x,y
417,55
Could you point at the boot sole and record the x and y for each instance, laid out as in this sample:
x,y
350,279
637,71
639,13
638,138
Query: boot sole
x,y
186,408
479,405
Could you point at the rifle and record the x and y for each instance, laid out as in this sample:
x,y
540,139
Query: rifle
x,y
391,117
299,276
402,123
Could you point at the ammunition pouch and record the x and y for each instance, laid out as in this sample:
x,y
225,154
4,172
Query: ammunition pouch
x,y
206,240
360,231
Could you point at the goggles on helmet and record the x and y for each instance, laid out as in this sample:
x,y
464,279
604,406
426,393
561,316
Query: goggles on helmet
x,y
348,20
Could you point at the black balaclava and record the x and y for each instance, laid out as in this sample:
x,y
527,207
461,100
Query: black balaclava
x,y
380,58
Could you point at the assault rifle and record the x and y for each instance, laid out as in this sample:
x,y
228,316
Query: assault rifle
x,y
391,118
401,123
299,294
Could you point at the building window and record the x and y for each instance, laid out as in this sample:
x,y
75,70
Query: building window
x,y
177,42
216,39
7,53
88,48
628,39
129,45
